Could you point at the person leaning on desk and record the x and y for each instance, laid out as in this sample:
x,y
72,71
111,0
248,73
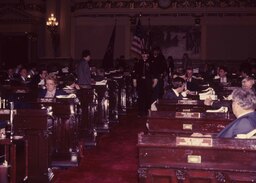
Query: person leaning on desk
x,y
243,106
247,83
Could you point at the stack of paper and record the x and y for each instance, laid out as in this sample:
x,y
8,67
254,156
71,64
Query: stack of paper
x,y
208,93
220,110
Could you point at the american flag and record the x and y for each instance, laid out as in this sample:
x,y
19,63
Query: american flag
x,y
137,44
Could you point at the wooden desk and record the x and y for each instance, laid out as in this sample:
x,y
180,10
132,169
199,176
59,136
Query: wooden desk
x,y
88,116
102,122
64,131
15,154
181,105
35,125
166,122
163,158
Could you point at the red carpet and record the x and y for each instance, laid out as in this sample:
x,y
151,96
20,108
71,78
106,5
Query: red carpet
x,y
113,160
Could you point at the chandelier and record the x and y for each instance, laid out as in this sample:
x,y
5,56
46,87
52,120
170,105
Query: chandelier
x,y
52,23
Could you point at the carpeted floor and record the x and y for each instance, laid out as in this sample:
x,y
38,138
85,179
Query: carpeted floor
x,y
113,160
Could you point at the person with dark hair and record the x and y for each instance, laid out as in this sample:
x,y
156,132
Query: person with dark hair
x,y
83,69
243,106
38,81
158,63
142,81
174,92
222,75
70,84
248,83
23,76
191,81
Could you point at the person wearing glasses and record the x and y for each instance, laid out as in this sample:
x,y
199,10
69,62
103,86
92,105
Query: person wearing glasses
x,y
243,107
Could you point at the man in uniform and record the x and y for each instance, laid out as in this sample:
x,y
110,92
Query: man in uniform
x,y
142,81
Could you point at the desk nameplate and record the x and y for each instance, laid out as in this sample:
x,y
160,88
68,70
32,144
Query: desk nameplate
x,y
7,111
194,159
187,126
198,142
46,100
195,115
188,102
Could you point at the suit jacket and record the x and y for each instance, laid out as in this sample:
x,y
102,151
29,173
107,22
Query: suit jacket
x,y
170,94
241,125
83,72
42,93
193,85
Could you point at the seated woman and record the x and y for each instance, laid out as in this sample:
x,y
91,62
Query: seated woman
x,y
51,90
243,106
174,92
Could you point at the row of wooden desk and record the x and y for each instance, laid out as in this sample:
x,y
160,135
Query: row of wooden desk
x,y
57,130
168,152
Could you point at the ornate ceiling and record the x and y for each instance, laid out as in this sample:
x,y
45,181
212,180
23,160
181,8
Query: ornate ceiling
x,y
39,7
89,4
150,7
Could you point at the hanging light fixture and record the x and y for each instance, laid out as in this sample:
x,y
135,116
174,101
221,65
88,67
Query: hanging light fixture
x,y
52,24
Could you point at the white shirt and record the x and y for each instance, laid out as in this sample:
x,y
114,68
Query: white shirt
x,y
50,94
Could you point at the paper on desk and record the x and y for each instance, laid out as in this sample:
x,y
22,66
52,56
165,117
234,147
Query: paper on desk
x,y
72,95
117,77
220,110
204,97
153,106
103,82
210,93
249,135
208,89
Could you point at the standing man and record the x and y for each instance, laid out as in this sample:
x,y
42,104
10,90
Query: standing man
x,y
142,81
159,69
83,69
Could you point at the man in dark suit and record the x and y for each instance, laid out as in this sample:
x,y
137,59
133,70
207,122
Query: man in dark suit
x,y
243,106
191,81
174,92
83,69
221,78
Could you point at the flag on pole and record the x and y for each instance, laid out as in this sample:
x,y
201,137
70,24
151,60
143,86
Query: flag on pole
x,y
137,44
148,37
108,60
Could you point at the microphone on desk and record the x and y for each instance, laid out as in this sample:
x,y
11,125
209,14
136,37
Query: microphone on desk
x,y
11,119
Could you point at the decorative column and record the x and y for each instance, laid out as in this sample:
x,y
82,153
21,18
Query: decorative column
x,y
65,29
203,39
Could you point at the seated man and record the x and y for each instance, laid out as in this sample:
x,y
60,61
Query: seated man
x,y
174,92
38,81
243,106
51,90
248,83
191,81
70,85
222,76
